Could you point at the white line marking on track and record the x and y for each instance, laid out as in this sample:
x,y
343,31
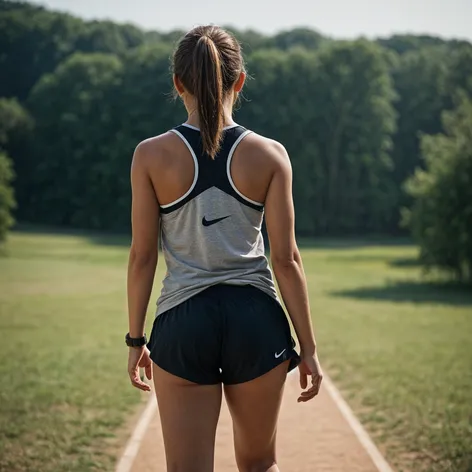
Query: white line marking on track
x,y
126,462
362,435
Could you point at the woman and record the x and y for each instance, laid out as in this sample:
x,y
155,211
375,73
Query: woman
x,y
204,187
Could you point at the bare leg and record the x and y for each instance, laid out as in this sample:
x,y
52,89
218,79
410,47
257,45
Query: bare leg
x,y
254,407
189,415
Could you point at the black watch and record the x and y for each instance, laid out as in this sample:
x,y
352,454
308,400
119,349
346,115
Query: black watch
x,y
135,342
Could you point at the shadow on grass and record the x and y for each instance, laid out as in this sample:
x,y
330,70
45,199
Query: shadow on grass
x,y
351,242
405,262
124,239
413,292
95,237
101,239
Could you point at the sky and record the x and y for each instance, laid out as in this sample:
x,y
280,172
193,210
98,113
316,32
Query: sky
x,y
336,18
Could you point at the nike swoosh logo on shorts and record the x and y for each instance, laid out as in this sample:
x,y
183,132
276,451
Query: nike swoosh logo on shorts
x,y
279,354
206,222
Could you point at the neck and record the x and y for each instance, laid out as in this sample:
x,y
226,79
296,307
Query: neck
x,y
194,120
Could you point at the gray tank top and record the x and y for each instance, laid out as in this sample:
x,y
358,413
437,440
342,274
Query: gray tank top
x,y
212,234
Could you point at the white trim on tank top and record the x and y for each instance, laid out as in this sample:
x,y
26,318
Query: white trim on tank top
x,y
228,169
198,129
195,177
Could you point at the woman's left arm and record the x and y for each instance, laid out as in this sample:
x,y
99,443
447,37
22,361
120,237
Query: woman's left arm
x,y
142,260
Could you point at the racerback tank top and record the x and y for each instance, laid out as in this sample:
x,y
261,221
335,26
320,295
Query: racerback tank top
x,y
212,234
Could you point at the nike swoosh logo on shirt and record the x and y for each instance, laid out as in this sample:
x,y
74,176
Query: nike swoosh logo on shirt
x,y
279,354
206,222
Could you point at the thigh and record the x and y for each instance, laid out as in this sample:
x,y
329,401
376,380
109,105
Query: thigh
x,y
189,414
254,408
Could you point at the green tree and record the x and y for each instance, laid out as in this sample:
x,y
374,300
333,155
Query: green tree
x,y
427,81
404,43
420,78
459,77
354,124
285,112
15,122
149,109
73,111
10,5
297,37
16,132
7,200
142,106
32,42
90,114
250,39
441,215
333,111
331,106
106,36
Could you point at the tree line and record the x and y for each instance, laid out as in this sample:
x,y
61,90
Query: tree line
x,y
355,117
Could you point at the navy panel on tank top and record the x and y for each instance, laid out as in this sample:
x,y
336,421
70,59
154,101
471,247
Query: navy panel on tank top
x,y
211,172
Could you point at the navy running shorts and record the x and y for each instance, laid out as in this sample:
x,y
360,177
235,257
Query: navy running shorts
x,y
226,334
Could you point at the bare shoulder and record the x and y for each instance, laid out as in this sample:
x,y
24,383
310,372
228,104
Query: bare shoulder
x,y
155,151
269,151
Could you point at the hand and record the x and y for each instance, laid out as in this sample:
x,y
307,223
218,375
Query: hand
x,y
139,357
309,366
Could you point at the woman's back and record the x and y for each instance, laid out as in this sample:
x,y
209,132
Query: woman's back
x,y
211,210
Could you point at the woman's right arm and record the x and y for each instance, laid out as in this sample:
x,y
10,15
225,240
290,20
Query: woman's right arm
x,y
288,268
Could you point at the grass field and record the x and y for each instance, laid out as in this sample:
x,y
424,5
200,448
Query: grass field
x,y
64,390
398,347
400,350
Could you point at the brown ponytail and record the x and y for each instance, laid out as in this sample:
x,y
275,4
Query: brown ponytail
x,y
208,62
209,93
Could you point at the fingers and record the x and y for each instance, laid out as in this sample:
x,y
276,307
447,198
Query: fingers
x,y
139,358
303,380
148,370
146,362
137,382
313,390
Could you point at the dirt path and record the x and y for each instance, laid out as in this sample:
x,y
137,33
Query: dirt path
x,y
312,437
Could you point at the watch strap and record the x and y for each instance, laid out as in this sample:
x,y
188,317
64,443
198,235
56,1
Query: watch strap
x,y
135,342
